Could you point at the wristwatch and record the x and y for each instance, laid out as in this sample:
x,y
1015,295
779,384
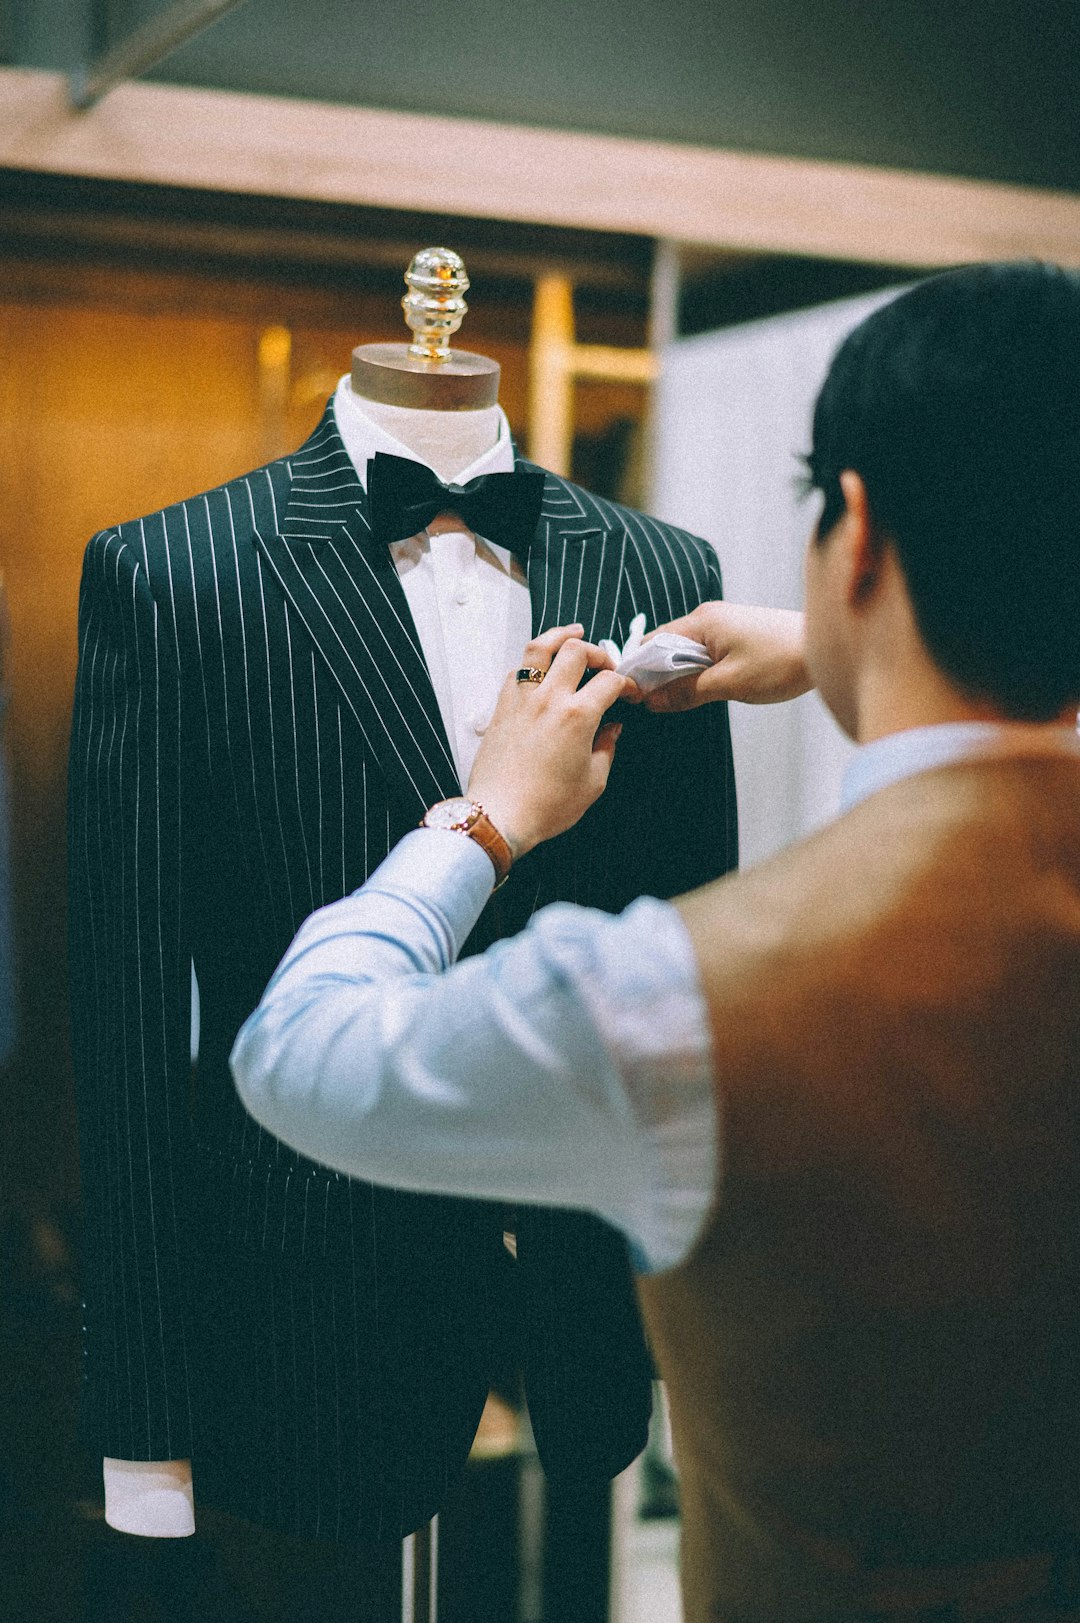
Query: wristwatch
x,y
462,816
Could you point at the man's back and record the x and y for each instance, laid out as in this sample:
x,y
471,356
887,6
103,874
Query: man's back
x,y
873,1348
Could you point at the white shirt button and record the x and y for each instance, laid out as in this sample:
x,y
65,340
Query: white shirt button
x,y
462,594
479,725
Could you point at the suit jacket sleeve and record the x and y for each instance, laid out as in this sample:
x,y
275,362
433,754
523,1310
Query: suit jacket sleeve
x,y
130,985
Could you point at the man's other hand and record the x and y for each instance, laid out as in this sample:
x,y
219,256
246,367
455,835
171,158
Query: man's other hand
x,y
757,657
545,758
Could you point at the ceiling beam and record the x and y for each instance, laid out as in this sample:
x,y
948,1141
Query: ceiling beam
x,y
224,140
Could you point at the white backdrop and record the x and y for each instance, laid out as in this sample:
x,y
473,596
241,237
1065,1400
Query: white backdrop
x,y
733,413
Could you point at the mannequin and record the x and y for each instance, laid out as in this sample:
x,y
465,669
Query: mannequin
x,y
327,1349
442,407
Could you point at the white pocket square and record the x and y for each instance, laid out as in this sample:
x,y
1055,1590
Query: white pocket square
x,y
664,658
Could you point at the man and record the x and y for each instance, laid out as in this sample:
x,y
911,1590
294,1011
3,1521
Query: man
x,y
832,1102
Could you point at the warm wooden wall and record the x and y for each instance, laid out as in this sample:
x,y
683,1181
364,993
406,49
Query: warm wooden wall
x,y
106,411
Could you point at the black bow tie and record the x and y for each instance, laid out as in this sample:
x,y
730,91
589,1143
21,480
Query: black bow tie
x,y
404,497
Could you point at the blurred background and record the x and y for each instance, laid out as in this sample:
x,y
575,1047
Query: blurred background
x,y
670,213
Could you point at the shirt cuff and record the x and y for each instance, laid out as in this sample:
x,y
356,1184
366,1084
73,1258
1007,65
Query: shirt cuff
x,y
447,870
151,1498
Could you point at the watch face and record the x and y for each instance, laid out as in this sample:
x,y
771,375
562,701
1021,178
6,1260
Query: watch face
x,y
451,814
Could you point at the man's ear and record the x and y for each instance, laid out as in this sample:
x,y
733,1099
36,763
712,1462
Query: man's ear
x,y
862,539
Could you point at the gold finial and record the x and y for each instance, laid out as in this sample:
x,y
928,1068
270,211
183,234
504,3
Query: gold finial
x,y
434,305
427,375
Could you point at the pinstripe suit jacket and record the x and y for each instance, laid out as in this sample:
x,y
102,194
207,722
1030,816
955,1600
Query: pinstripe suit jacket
x,y
254,728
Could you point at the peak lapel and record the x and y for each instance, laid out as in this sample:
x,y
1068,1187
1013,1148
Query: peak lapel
x,y
577,565
346,595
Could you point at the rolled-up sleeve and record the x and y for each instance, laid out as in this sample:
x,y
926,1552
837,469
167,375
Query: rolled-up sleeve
x,y
569,1066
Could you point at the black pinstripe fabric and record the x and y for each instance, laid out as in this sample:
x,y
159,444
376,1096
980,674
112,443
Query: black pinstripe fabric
x,y
254,728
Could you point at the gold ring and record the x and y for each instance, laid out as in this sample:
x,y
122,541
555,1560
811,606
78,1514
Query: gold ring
x,y
529,673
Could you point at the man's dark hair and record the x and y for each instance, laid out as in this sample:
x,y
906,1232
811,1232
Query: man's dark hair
x,y
959,405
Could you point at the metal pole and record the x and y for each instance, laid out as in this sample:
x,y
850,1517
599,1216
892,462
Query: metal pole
x,y
144,48
551,376
664,292
419,1575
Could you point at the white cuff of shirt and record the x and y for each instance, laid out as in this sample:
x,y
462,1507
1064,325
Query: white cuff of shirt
x,y
151,1498
448,870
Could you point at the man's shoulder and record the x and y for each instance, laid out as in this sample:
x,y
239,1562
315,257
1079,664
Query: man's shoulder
x,y
937,856
898,941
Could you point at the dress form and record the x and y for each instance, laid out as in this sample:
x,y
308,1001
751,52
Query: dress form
x,y
442,405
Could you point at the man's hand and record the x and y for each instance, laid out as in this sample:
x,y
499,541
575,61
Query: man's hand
x,y
757,657
543,761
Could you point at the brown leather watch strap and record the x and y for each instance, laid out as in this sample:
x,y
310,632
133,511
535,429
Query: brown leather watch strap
x,y
484,832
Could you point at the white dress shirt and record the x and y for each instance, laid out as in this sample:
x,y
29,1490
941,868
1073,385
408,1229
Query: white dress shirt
x,y
568,1066
468,596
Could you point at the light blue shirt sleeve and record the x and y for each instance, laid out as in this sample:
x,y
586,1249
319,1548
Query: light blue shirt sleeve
x,y
569,1066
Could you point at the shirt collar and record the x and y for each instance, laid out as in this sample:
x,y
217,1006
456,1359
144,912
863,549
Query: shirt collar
x,y
919,749
362,438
